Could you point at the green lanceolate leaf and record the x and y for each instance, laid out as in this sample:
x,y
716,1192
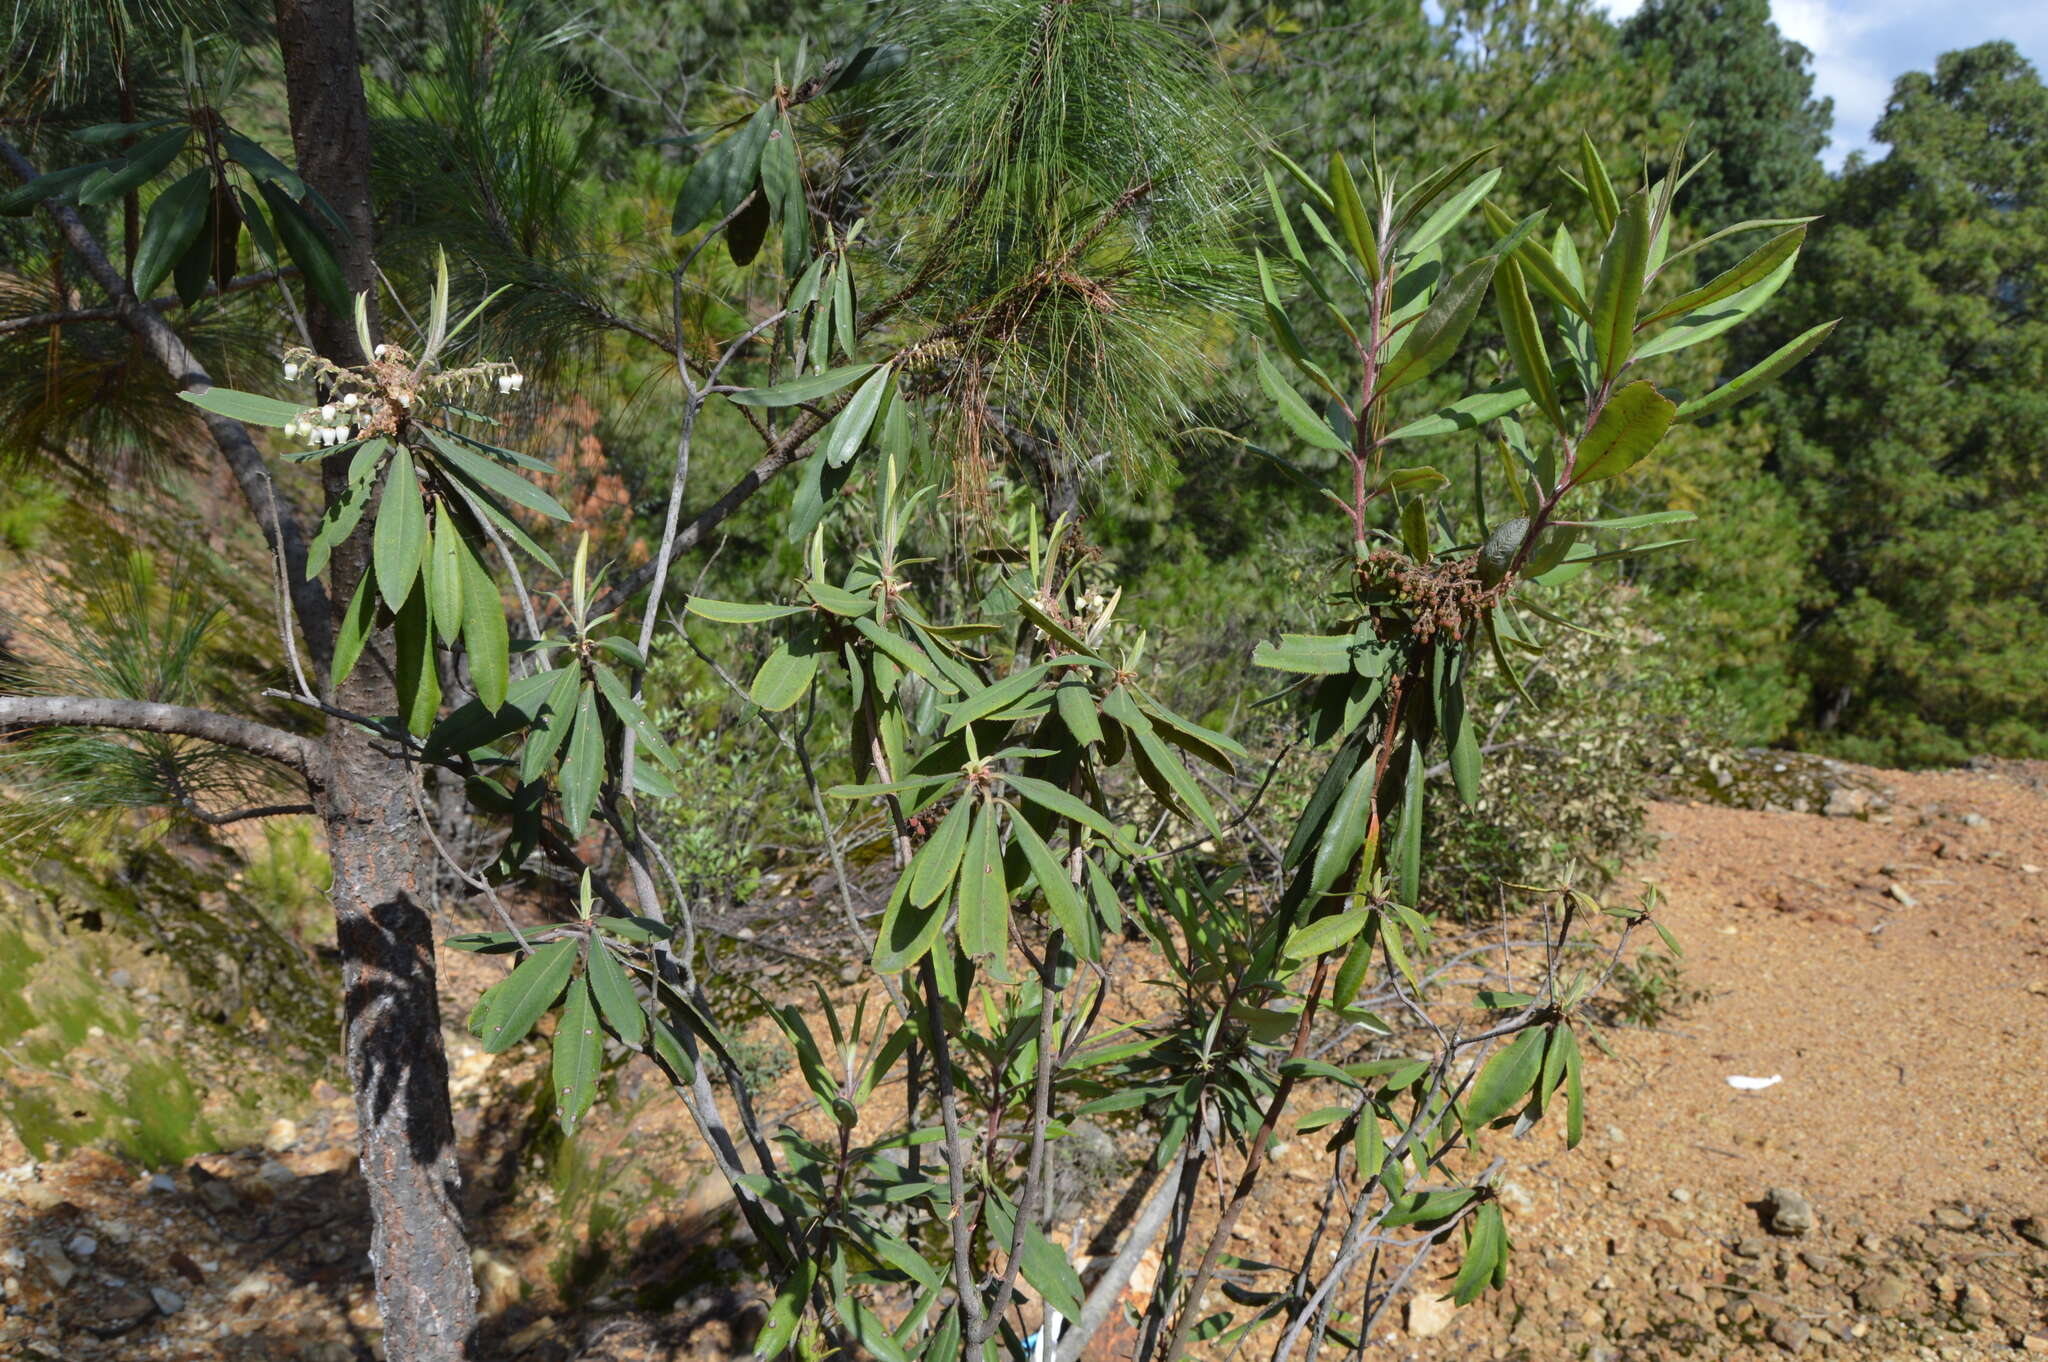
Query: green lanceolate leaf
x,y
1710,321
583,765
1049,796
1752,381
984,896
785,675
1507,1078
578,1055
399,543
511,1007
173,224
1753,268
414,664
908,930
1345,831
620,698
1525,341
738,612
144,163
1076,703
806,388
358,622
848,431
937,862
1620,286
251,409
613,990
1434,337
1408,846
551,726
1467,413
1352,217
484,632
1061,898
444,579
905,654
1485,1248
990,699
1630,425
308,248
1300,418
345,512
492,476
1599,188
1160,761
1325,935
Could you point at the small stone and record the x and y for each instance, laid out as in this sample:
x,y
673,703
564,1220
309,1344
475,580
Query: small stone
x,y
82,1246
1898,893
1974,820
116,1312
56,1266
1752,1248
1954,1218
2035,1343
1819,1262
1881,1294
1787,1212
282,1135
163,1182
1681,1195
275,1175
2033,1229
1790,1334
167,1300
1429,1314
1606,1282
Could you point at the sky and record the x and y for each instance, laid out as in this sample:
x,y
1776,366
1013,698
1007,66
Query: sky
x,y
1861,46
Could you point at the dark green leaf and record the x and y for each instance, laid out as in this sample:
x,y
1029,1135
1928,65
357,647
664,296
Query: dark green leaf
x,y
1620,286
1630,425
308,248
515,1003
578,1055
583,766
144,162
174,221
1507,1078
399,543
613,990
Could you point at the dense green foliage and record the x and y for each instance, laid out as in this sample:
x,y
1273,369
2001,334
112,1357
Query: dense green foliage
x,y
1914,448
1747,97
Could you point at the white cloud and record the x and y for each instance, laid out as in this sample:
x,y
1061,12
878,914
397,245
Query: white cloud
x,y
1860,47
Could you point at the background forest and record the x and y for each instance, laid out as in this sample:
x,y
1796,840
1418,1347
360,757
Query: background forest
x,y
1866,579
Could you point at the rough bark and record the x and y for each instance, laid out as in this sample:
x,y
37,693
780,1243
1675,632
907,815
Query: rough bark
x,y
425,1288
20,713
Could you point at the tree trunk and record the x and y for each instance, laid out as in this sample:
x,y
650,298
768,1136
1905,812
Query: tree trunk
x,y
425,1287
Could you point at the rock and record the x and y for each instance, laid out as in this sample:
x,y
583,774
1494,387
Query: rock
x,y
1954,1218
163,1182
1787,1212
1819,1262
282,1135
1898,893
82,1245
1517,1197
1881,1294
1974,820
2035,1343
1751,1248
497,1282
1790,1334
1429,1314
167,1300
1681,1195
2033,1229
56,1266
112,1313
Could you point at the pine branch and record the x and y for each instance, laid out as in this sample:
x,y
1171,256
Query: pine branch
x,y
281,530
240,283
25,713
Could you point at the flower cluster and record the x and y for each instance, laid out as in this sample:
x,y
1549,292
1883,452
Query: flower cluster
x,y
375,399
